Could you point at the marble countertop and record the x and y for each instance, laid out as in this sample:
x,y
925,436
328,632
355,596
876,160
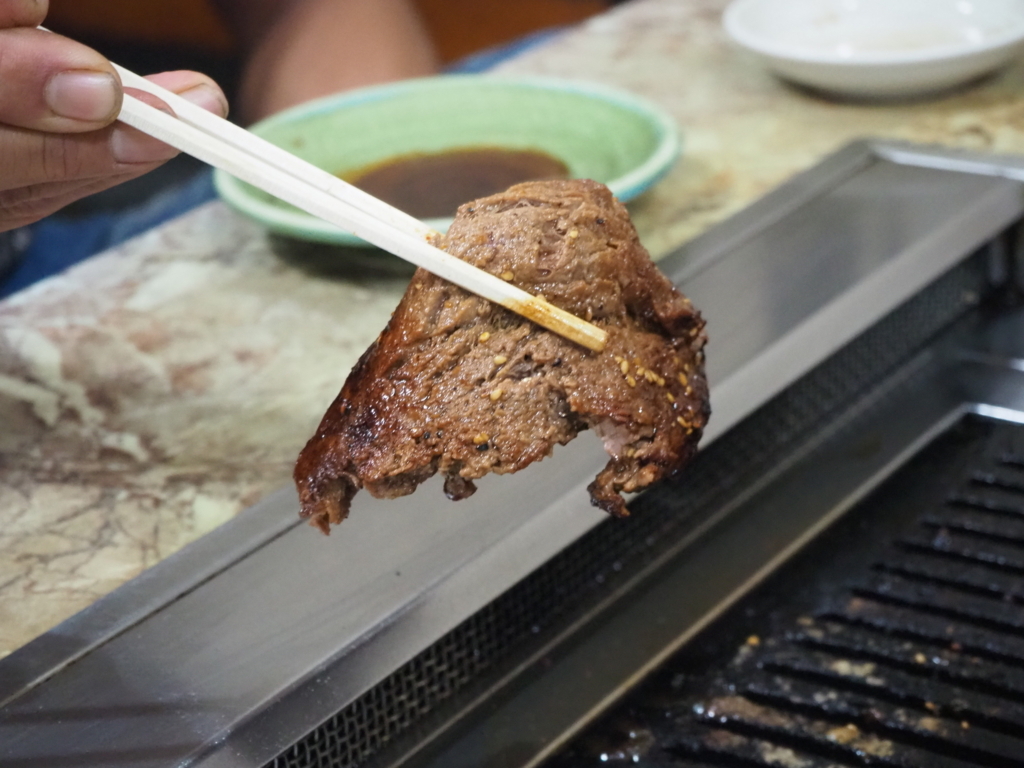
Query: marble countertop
x,y
153,392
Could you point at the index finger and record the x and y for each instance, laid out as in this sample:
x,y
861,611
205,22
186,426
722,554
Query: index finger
x,y
22,13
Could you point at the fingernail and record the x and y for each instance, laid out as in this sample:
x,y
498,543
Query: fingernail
x,y
128,145
82,95
207,97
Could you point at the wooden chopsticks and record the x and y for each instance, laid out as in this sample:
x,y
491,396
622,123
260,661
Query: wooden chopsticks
x,y
274,170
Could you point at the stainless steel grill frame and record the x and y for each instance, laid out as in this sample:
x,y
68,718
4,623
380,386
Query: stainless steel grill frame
x,y
814,481
525,621
787,284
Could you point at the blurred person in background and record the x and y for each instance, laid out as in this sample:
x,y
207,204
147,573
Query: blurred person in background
x,y
283,52
59,99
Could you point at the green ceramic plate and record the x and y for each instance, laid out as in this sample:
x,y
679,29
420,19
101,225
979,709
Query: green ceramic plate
x,y
597,132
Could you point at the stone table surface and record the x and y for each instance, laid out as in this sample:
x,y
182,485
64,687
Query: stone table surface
x,y
153,392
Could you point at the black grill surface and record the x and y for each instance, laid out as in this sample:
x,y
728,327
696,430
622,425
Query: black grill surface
x,y
896,640
479,649
463,661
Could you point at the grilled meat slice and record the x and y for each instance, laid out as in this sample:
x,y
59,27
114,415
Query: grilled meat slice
x,y
458,385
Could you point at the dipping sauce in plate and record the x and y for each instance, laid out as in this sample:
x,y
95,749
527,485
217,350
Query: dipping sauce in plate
x,y
434,185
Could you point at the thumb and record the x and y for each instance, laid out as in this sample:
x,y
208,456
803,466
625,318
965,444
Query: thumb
x,y
52,84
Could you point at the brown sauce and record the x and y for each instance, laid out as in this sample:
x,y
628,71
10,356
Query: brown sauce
x,y
435,185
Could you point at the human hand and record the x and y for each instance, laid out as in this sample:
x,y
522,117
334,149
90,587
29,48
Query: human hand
x,y
58,103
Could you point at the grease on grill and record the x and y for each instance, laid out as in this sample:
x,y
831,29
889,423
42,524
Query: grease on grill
x,y
915,662
434,185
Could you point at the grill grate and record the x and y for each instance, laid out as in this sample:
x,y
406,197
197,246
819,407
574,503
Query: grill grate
x,y
541,603
914,657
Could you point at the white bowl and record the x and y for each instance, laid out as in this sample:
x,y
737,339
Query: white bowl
x,y
879,48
